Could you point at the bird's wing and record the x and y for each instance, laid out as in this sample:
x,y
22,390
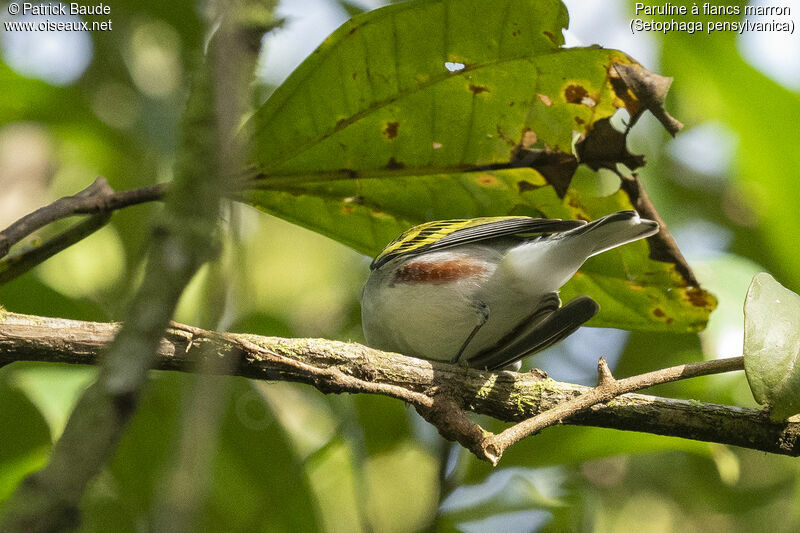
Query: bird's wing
x,y
536,334
446,233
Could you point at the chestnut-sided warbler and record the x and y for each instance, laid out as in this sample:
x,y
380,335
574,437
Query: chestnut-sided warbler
x,y
485,290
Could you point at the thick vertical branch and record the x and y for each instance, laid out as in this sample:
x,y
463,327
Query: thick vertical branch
x,y
182,241
233,52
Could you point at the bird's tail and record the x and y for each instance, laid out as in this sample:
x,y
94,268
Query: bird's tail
x,y
614,230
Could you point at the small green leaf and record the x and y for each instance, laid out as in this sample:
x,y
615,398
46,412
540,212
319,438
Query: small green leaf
x,y
772,345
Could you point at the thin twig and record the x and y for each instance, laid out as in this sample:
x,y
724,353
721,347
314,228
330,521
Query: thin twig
x,y
607,389
98,197
13,267
98,200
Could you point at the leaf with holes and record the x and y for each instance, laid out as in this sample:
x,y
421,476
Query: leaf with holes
x,y
435,109
772,345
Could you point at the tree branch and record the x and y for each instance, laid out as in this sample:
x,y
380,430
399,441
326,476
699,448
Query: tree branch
x,y
98,200
441,392
607,389
181,241
12,267
98,197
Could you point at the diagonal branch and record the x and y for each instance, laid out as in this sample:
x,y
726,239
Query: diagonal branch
x,y
337,367
181,242
607,389
12,267
98,197
98,200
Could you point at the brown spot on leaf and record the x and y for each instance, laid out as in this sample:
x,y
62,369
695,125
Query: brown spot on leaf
x,y
579,120
659,312
515,33
574,94
699,298
353,30
545,99
486,180
506,138
422,271
524,186
391,129
394,164
355,75
550,36
478,89
349,172
511,104
347,209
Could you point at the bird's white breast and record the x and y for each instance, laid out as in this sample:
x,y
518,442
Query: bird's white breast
x,y
428,305
424,305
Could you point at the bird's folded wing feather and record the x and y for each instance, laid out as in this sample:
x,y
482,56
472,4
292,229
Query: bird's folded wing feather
x,y
447,233
537,334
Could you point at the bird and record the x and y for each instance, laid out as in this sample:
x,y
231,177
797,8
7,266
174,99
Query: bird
x,y
484,292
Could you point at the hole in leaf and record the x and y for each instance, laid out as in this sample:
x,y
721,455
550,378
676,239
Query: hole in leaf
x,y
529,138
453,66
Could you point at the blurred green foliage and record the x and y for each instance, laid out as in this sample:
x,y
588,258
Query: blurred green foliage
x,y
287,458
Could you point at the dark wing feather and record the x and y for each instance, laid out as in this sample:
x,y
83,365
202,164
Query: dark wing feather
x,y
447,233
536,335
505,228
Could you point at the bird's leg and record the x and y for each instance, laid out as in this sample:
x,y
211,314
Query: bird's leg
x,y
482,314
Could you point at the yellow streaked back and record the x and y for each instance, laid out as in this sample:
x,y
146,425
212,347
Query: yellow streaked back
x,y
424,235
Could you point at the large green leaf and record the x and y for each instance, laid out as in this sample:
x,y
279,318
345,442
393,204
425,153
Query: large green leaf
x,y
437,109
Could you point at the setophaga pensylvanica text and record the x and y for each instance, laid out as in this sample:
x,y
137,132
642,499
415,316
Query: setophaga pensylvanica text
x,y
485,290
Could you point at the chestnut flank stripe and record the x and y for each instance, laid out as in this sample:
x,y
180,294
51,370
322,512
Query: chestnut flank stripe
x,y
422,271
